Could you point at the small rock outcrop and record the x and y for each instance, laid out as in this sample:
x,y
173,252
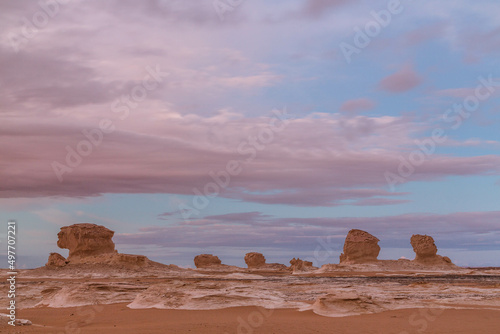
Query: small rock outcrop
x,y
85,240
360,247
426,250
56,260
300,265
255,260
206,260
345,303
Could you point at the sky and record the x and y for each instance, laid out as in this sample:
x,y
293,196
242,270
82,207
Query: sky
x,y
232,126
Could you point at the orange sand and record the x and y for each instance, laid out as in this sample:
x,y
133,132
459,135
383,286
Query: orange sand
x,y
117,318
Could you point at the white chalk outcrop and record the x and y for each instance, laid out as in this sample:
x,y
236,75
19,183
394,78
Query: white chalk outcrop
x,y
345,303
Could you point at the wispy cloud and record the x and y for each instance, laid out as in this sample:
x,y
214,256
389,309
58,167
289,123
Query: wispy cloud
x,y
357,105
401,81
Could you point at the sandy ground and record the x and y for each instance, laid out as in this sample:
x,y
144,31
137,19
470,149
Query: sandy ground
x,y
117,318
118,300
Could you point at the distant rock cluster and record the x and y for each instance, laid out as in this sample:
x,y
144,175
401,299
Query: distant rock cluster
x,y
91,244
362,247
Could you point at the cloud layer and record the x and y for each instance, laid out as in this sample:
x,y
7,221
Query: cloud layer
x,y
330,159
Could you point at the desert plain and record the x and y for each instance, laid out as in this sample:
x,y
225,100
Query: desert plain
x,y
98,290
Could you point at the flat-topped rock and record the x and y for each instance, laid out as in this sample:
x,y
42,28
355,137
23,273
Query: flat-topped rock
x,y
85,239
360,247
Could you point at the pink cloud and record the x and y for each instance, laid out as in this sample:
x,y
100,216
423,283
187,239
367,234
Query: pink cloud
x,y
456,92
485,42
357,105
425,33
323,197
402,81
337,159
315,8
379,201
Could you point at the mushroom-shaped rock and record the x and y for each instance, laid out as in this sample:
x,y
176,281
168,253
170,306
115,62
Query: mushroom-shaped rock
x,y
206,260
426,250
56,260
360,247
423,246
300,265
255,260
92,244
84,240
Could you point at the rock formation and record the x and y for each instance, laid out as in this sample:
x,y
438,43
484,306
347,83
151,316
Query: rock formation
x,y
423,246
255,260
426,250
91,244
84,240
300,265
206,260
56,260
360,247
